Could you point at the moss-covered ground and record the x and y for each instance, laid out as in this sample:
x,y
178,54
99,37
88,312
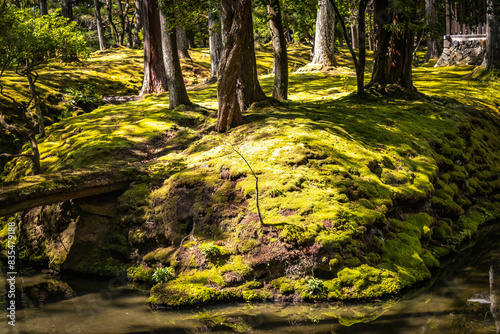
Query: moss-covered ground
x,y
360,198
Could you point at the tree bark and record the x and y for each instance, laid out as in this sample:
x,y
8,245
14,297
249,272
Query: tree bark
x,y
36,103
121,16
43,8
354,33
67,9
155,77
381,59
492,57
136,44
401,55
434,49
237,82
324,39
100,30
114,31
176,89
182,43
248,87
360,70
35,156
215,43
280,86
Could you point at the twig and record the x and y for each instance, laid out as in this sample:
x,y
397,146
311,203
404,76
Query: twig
x,y
256,184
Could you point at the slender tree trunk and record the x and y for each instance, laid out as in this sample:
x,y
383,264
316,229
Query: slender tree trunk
x,y
43,8
492,57
280,87
114,31
215,43
237,81
354,33
136,44
100,30
67,9
122,13
176,89
128,25
36,103
324,39
360,70
182,43
433,39
155,77
28,136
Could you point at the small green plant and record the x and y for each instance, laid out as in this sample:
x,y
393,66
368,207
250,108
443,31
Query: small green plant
x,y
314,286
162,275
210,250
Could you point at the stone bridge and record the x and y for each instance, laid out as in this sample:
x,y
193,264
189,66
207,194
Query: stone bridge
x,y
48,189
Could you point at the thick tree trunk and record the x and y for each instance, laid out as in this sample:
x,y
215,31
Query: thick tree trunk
x,y
182,43
324,39
401,55
215,43
434,49
114,31
136,43
176,89
237,82
492,57
43,8
280,87
100,30
67,9
381,59
155,77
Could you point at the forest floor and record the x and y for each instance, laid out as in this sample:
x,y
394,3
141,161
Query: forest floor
x,y
360,198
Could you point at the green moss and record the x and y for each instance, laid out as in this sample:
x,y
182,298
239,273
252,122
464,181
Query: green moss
x,y
140,273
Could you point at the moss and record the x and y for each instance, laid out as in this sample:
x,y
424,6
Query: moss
x,y
334,172
140,273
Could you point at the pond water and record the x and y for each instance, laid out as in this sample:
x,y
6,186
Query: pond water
x,y
461,298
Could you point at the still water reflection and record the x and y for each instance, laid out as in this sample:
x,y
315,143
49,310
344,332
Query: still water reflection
x,y
462,298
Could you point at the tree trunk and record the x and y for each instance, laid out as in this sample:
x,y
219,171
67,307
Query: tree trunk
x,y
43,8
177,93
67,9
381,59
155,77
114,32
215,43
136,43
433,39
237,82
100,30
280,67
121,16
324,39
492,57
354,33
28,136
393,55
36,104
182,43
360,70
401,55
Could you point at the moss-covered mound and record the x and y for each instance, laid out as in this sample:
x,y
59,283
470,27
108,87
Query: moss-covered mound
x,y
360,198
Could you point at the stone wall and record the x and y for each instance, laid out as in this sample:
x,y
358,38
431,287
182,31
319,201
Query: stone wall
x,y
463,51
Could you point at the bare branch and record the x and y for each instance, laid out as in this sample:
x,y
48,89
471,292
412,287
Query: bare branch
x,y
256,184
